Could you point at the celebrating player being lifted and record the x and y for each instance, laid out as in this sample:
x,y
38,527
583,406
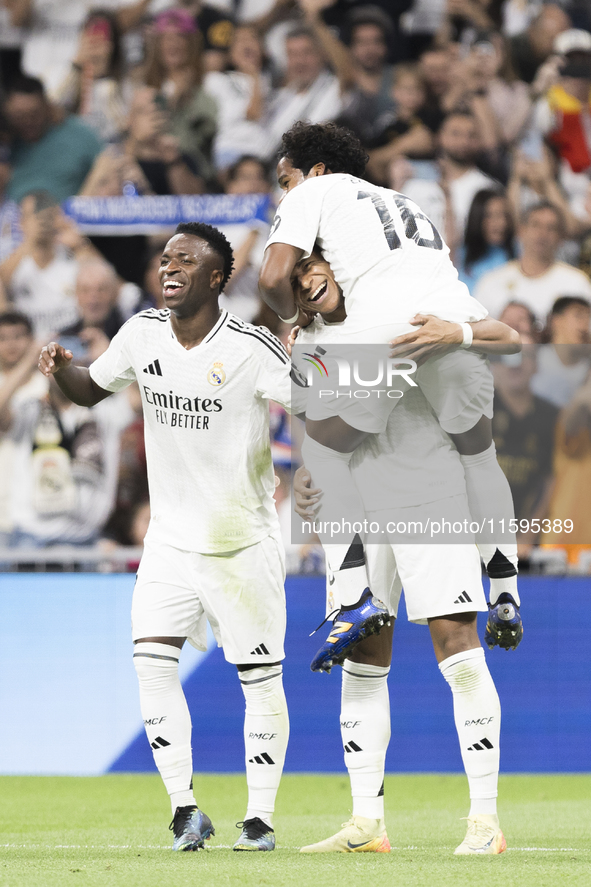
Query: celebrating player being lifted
x,y
391,264
213,549
405,474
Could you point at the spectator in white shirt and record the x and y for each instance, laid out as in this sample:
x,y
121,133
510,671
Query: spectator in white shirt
x,y
536,279
460,145
311,92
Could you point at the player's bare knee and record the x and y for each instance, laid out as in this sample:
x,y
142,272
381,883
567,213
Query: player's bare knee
x,y
453,634
376,649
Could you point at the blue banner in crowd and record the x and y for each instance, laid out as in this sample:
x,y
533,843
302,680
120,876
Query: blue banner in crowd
x,y
148,215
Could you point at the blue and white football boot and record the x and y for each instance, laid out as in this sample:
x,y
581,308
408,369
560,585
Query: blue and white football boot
x,y
351,625
504,627
256,835
191,827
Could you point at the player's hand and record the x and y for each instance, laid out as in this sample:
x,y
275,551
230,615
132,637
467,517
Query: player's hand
x,y
432,338
306,498
292,339
53,358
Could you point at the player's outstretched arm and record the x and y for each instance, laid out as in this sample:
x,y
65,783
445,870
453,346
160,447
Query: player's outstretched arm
x,y
434,336
76,382
274,279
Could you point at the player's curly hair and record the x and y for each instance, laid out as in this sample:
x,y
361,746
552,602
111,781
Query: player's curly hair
x,y
337,147
217,242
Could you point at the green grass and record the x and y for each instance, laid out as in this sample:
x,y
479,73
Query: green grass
x,y
112,831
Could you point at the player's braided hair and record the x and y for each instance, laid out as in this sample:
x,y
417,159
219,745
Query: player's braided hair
x,y
217,242
337,147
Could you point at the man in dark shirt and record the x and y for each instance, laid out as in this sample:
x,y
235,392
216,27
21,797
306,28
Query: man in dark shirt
x,y
523,431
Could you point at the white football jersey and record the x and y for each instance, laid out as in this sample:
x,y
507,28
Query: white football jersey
x,y
206,420
386,255
413,462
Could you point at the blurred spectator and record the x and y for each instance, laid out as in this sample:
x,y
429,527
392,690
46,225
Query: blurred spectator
x,y
523,432
362,68
174,69
151,286
435,65
241,94
217,27
563,114
519,317
464,18
342,15
408,130
10,233
508,97
149,161
311,92
19,382
94,89
53,30
65,461
572,470
48,154
248,175
489,237
564,363
97,289
536,279
533,179
241,294
531,48
459,147
39,275
421,23
11,39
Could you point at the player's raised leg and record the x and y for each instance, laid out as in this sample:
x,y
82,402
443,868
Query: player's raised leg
x,y
327,451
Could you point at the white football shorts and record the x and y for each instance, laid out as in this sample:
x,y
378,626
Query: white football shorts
x,y
458,385
437,579
241,594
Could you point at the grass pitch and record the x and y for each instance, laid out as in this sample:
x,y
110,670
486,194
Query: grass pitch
x,y
112,831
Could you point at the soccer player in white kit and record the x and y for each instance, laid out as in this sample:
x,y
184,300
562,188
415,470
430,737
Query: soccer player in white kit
x,y
406,474
213,550
390,263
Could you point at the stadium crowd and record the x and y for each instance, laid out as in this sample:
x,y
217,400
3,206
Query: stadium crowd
x,y
479,110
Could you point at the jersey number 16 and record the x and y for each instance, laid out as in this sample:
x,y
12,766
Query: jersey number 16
x,y
409,219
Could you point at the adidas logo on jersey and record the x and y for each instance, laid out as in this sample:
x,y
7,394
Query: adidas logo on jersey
x,y
153,368
464,598
481,745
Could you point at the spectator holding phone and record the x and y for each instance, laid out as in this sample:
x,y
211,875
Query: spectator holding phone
x,y
94,89
174,70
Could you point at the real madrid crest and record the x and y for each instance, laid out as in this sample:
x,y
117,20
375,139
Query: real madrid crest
x,y
216,376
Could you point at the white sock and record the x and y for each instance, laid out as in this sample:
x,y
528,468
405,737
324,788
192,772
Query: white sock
x,y
477,713
340,502
490,500
266,731
166,718
365,731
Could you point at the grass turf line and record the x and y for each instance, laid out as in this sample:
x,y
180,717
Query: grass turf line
x,y
112,831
